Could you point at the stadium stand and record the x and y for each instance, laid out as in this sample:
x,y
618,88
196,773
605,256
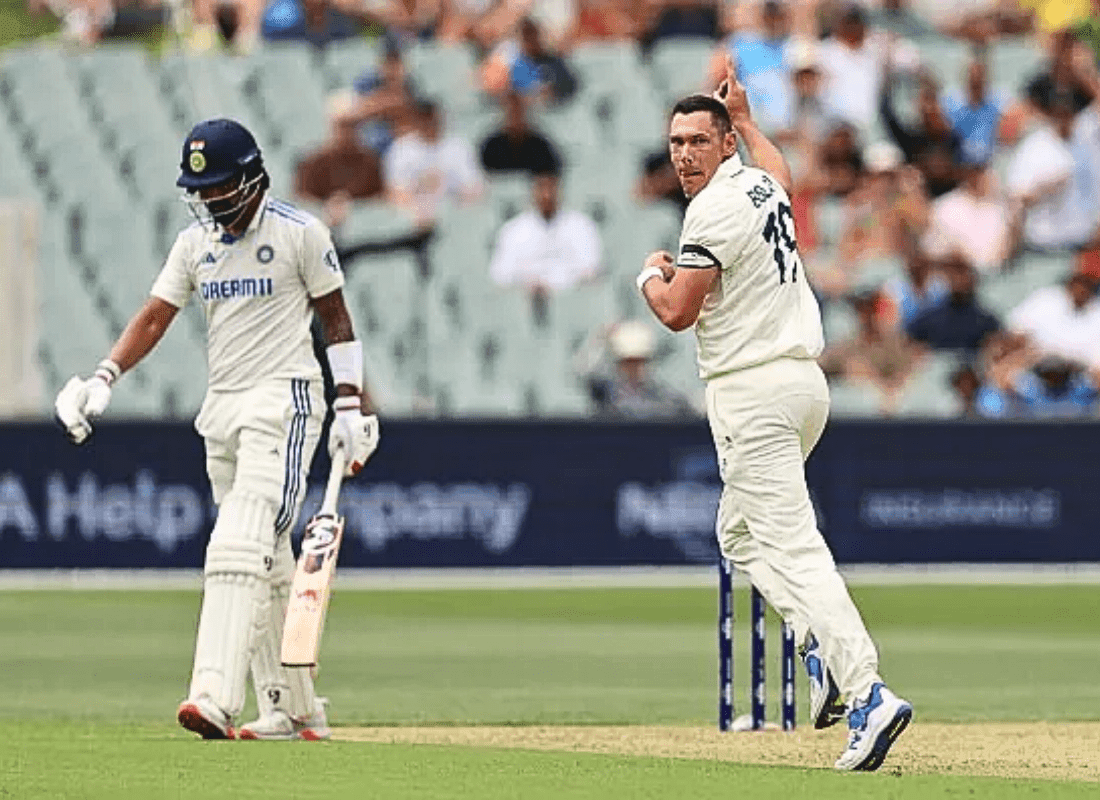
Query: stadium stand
x,y
92,135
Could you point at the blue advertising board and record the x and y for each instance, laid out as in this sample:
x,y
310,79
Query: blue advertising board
x,y
549,493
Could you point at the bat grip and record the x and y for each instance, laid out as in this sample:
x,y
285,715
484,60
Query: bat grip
x,y
332,488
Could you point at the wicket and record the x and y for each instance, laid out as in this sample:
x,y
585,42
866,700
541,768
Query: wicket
x,y
757,719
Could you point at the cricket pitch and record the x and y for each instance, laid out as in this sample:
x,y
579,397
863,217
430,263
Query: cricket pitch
x,y
1035,750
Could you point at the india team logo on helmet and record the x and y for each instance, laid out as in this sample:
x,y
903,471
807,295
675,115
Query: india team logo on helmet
x,y
197,161
222,171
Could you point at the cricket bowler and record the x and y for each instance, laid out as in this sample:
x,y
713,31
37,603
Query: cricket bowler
x,y
261,269
739,280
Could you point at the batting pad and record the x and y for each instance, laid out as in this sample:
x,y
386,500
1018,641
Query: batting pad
x,y
236,599
288,688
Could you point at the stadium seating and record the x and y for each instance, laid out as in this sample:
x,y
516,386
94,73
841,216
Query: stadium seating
x,y
928,393
679,67
93,136
848,399
17,177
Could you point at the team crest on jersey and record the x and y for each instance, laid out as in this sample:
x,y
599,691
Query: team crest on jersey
x,y
265,253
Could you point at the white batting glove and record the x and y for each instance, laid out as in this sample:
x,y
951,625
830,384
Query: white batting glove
x,y
81,401
354,431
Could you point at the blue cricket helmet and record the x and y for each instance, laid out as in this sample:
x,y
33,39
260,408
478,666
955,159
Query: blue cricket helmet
x,y
215,152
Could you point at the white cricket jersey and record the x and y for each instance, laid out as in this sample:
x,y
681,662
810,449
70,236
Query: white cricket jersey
x,y
761,307
255,291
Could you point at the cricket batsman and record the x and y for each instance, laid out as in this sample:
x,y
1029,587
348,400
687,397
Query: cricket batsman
x,y
739,280
261,269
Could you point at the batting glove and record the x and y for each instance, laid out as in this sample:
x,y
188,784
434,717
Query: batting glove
x,y
81,401
354,431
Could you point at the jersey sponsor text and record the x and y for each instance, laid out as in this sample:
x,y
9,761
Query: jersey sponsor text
x,y
237,287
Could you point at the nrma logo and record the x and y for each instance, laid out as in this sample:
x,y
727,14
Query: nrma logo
x,y
237,287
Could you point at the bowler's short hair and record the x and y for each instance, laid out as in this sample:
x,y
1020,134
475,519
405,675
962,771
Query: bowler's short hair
x,y
701,102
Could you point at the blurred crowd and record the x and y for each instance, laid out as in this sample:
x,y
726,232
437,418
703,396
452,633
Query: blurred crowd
x,y
913,190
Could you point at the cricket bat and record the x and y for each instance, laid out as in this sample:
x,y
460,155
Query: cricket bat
x,y
309,591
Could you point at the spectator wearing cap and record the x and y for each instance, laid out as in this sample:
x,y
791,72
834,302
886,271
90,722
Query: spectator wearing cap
x,y
878,354
546,248
629,390
960,322
516,147
341,170
976,219
1063,320
426,167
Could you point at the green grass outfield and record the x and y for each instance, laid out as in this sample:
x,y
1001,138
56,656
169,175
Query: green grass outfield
x,y
92,679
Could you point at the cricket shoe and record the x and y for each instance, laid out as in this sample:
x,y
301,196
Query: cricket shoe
x,y
280,726
201,716
826,708
873,726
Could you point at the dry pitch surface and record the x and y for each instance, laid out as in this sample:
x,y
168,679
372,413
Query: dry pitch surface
x,y
1058,751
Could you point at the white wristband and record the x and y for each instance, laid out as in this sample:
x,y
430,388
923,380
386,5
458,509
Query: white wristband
x,y
646,274
108,371
346,361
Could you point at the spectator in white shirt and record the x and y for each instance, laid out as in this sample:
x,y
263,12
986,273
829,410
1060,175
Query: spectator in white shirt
x,y
1052,174
976,219
1056,169
546,248
851,64
1062,320
423,167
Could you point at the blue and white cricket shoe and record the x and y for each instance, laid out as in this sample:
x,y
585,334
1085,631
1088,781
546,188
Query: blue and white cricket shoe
x,y
873,726
826,708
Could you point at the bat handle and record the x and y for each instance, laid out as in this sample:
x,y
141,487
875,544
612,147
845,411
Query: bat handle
x,y
332,488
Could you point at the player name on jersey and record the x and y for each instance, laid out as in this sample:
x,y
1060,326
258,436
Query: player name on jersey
x,y
237,287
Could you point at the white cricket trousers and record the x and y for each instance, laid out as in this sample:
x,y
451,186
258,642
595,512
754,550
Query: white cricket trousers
x,y
765,421
259,445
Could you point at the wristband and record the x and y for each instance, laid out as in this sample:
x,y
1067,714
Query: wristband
x,y
646,274
107,371
346,361
346,403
